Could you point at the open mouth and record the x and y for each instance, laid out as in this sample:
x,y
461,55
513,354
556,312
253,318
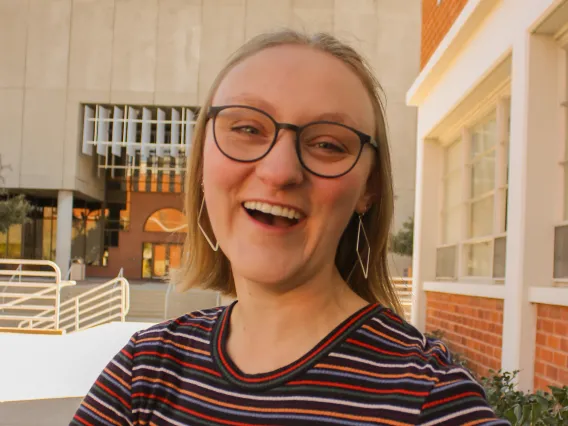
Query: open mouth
x,y
269,214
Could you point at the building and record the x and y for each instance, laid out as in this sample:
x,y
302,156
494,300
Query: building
x,y
490,259
98,99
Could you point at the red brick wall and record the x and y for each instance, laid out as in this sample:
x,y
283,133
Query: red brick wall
x,y
473,326
436,22
551,360
128,254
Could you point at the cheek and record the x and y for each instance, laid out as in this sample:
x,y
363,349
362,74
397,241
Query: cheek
x,y
337,198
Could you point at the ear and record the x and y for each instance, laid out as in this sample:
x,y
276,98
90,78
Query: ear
x,y
364,201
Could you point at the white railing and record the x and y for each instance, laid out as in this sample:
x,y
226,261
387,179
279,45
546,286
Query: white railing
x,y
403,287
102,304
35,290
34,302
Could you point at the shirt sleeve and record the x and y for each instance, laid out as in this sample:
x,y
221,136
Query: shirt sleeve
x,y
109,401
458,400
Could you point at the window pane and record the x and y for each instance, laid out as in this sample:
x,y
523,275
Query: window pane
x,y
478,259
483,137
561,252
499,257
446,262
481,217
483,175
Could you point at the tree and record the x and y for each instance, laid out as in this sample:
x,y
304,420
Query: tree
x,y
13,209
403,241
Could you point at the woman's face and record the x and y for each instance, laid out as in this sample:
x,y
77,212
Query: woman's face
x,y
298,85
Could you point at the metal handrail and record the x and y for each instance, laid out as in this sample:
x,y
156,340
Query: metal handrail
x,y
112,297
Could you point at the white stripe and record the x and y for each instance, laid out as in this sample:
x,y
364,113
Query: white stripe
x,y
378,364
124,370
421,341
454,415
160,415
111,408
280,398
457,369
184,335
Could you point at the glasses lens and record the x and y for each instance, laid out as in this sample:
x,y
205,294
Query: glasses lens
x,y
243,134
329,149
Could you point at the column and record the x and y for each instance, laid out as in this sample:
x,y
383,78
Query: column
x,y
426,222
64,227
534,188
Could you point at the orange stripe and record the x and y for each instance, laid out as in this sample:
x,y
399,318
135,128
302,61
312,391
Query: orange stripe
x,y
378,333
112,393
479,421
273,410
119,379
177,345
368,373
94,410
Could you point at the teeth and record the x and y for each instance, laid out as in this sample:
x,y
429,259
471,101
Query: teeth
x,y
273,210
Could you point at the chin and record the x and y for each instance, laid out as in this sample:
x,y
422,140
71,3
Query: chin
x,y
266,272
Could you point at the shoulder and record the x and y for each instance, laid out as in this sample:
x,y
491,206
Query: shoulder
x,y
193,327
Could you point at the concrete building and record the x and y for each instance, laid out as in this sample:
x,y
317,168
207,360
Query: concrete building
x,y
490,258
98,100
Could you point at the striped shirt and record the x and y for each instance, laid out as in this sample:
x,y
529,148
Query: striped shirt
x,y
372,369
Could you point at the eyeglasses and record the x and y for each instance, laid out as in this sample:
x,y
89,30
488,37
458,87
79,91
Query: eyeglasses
x,y
325,148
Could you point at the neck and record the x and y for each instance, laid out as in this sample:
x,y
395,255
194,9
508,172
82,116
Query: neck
x,y
273,319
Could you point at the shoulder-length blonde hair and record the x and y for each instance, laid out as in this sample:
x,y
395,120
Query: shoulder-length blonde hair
x,y
205,268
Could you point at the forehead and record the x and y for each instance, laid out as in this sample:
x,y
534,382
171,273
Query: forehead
x,y
297,84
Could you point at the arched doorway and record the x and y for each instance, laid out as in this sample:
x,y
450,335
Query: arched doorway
x,y
159,258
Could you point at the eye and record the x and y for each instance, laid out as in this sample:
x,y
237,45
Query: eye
x,y
330,147
246,129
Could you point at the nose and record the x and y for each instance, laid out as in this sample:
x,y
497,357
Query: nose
x,y
281,166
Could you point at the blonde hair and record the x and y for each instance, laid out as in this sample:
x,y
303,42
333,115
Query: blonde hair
x,y
205,268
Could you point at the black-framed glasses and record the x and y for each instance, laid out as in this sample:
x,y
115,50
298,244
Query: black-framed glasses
x,y
325,148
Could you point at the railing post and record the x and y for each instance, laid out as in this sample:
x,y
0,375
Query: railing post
x,y
122,300
77,314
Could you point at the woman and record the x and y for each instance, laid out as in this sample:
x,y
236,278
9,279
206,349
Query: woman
x,y
289,202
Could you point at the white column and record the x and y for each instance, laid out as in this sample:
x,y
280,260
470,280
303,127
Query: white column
x,y
534,179
426,220
64,227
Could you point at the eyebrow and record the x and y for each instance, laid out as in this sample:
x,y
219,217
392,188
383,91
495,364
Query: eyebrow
x,y
255,101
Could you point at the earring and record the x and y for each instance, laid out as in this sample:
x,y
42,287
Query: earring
x,y
215,247
361,230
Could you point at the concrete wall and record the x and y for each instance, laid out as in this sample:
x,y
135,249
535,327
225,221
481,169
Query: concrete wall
x,y
56,54
66,366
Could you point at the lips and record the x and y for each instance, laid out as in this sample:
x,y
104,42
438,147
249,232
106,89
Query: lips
x,y
273,214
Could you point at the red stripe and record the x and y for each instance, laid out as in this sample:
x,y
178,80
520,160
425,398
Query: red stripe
x,y
191,324
177,361
391,316
126,354
295,365
82,420
111,392
358,388
187,410
449,399
376,349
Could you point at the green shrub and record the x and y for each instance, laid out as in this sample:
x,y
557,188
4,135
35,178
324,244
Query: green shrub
x,y
539,408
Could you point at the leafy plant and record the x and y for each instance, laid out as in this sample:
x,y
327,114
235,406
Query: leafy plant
x,y
524,408
403,241
539,408
13,209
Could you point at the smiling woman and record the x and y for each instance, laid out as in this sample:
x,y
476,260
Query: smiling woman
x,y
289,205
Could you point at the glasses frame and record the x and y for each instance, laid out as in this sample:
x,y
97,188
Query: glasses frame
x,y
363,137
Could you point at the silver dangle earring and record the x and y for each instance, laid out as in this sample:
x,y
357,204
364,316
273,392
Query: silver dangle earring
x,y
361,230
215,246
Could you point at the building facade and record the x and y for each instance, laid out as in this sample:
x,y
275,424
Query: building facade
x,y
490,259
97,104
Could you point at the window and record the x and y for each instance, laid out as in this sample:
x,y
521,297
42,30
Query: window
x,y
166,220
474,188
147,145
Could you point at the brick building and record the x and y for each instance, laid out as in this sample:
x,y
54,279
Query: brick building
x,y
491,251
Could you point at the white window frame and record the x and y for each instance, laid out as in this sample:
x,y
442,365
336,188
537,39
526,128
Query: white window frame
x,y
501,113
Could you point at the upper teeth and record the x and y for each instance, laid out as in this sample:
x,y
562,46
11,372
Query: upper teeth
x,y
273,210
